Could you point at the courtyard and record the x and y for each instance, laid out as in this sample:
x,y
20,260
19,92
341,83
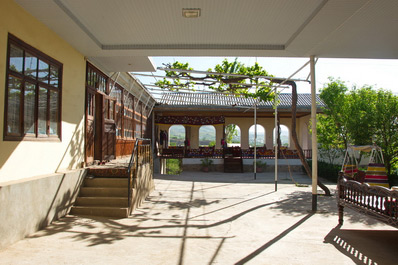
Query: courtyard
x,y
216,218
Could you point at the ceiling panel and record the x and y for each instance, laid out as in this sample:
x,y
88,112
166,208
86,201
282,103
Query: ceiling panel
x,y
123,21
102,29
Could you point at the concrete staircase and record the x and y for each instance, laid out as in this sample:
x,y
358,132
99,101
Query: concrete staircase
x,y
103,196
233,165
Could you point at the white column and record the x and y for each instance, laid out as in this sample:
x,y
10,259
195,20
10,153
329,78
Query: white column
x,y
314,137
194,137
275,137
219,135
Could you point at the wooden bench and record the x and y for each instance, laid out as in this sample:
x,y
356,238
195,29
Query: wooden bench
x,y
378,202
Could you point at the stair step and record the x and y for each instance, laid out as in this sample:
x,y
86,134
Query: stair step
x,y
233,165
233,170
106,182
103,192
121,212
109,172
102,201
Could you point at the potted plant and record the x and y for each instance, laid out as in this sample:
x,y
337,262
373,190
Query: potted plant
x,y
260,166
206,163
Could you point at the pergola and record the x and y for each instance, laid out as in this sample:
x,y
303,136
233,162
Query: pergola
x,y
120,36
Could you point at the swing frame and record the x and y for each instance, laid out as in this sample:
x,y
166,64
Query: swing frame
x,y
350,158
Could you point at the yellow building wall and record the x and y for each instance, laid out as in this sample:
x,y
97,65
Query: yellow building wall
x,y
25,159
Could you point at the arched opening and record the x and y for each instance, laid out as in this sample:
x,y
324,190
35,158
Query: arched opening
x,y
285,136
176,135
207,135
260,141
232,135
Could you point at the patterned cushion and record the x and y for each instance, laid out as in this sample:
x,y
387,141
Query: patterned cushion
x,y
376,175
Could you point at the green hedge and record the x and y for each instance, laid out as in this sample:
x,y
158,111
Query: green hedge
x,y
393,179
327,171
173,166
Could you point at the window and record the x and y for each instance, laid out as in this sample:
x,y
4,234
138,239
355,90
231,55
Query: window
x,y
285,136
137,118
232,135
96,79
260,139
207,135
33,93
128,128
176,135
144,121
117,94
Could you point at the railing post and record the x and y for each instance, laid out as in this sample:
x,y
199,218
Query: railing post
x,y
132,168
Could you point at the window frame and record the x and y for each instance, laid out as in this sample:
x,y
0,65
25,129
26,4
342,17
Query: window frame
x,y
215,135
40,56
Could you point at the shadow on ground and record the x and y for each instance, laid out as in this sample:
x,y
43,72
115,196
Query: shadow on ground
x,y
295,204
99,230
145,223
365,246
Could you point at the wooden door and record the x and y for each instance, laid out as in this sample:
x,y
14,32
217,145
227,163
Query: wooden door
x,y
109,140
90,126
105,128
98,128
109,129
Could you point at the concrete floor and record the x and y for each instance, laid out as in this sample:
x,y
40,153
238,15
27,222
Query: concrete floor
x,y
216,218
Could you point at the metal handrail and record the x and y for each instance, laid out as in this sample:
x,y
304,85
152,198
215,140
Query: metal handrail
x,y
130,172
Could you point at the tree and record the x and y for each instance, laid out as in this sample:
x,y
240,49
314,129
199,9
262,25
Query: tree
x,y
361,116
329,140
386,127
230,132
332,127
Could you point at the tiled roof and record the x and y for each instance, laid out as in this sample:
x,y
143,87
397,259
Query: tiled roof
x,y
180,99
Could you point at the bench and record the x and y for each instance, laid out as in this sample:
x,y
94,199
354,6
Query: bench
x,y
375,201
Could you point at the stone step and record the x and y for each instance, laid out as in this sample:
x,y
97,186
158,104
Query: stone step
x,y
103,192
106,182
118,212
109,172
233,170
233,165
102,201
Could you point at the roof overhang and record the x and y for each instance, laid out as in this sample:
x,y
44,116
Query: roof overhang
x,y
121,35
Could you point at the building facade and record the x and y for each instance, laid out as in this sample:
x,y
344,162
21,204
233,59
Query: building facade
x,y
60,112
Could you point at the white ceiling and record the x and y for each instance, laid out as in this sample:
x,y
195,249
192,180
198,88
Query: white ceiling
x,y
121,34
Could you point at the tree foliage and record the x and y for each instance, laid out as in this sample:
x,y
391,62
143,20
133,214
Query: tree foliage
x,y
238,85
230,132
386,127
360,116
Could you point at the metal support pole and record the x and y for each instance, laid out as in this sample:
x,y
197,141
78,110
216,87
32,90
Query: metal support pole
x,y
255,139
153,133
314,137
275,138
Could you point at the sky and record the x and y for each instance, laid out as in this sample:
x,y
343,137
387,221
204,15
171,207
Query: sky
x,y
354,72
